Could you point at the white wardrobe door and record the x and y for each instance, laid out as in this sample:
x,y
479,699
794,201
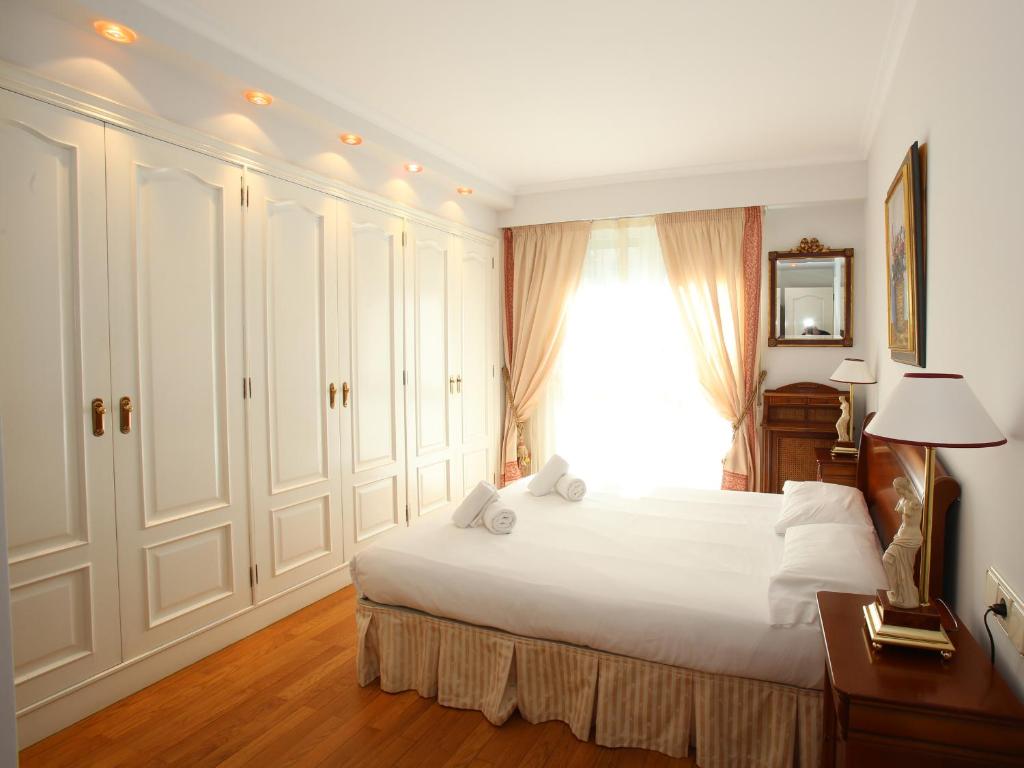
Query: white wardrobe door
x,y
175,261
373,421
477,334
431,360
292,339
59,494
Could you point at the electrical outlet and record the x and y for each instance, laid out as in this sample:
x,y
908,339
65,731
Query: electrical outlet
x,y
997,589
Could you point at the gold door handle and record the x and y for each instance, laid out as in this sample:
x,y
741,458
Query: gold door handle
x,y
458,384
126,415
333,392
451,385
98,414
346,390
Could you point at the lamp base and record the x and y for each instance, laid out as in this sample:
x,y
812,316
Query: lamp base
x,y
918,617
882,634
844,448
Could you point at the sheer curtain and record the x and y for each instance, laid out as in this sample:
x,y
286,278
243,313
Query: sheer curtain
x,y
713,261
624,404
542,269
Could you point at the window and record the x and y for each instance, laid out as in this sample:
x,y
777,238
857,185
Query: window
x,y
624,405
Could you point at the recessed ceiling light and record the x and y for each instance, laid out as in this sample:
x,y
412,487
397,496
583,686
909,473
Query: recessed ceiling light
x,y
119,33
259,98
352,139
464,190
413,167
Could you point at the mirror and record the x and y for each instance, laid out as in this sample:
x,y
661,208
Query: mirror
x,y
811,292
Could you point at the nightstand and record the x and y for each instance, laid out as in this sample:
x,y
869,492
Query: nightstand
x,y
840,470
905,707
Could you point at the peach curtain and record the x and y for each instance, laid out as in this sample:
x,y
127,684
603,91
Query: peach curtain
x,y
713,264
543,265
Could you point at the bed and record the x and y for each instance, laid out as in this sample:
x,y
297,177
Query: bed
x,y
641,621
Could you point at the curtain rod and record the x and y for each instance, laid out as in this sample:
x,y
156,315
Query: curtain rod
x,y
636,216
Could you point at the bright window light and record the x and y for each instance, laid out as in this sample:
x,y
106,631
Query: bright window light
x,y
624,405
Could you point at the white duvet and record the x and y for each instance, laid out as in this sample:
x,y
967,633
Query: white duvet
x,y
679,578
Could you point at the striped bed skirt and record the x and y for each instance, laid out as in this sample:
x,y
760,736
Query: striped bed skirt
x,y
624,702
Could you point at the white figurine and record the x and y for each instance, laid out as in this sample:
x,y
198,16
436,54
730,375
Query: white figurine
x,y
902,551
843,425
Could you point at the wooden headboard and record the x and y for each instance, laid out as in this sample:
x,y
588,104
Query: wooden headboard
x,y
878,465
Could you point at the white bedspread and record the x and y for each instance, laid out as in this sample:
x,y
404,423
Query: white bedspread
x,y
679,578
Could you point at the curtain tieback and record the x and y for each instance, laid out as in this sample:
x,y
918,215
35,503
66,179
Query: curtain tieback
x,y
749,404
508,397
522,452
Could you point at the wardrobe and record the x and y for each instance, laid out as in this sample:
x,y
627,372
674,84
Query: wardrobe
x,y
217,385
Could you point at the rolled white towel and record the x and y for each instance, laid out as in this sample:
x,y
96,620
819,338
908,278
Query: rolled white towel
x,y
498,519
544,481
571,488
471,507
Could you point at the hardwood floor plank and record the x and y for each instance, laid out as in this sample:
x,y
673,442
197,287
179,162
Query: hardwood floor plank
x,y
466,754
288,696
434,749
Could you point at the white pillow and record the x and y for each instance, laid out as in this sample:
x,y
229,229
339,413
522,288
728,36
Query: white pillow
x,y
812,502
828,557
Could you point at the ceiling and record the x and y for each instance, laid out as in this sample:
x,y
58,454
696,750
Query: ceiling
x,y
536,94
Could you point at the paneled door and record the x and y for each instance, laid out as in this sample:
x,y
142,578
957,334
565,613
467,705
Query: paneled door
x,y
55,409
477,381
177,416
373,405
295,391
431,360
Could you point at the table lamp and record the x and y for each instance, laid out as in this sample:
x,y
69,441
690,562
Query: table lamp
x,y
851,371
932,410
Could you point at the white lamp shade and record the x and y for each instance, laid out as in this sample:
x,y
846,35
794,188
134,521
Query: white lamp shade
x,y
853,370
935,409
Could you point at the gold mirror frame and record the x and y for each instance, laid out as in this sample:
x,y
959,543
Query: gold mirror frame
x,y
810,248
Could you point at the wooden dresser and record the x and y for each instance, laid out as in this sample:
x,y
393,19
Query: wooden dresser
x,y
797,419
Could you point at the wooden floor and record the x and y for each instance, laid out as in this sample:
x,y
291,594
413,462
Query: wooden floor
x,y
287,695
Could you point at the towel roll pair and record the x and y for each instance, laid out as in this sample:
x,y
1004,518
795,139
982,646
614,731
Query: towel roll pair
x,y
554,476
481,508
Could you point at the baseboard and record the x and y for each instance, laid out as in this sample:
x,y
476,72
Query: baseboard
x,y
67,707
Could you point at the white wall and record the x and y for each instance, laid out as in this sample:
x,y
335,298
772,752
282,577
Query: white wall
x,y
772,186
298,128
838,225
957,86
8,732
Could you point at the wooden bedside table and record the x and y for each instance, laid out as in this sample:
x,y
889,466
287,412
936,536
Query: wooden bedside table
x,y
841,470
905,707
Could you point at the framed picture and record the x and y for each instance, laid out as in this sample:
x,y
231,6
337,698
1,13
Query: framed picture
x,y
905,261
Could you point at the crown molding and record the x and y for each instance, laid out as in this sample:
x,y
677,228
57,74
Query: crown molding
x,y
668,174
26,83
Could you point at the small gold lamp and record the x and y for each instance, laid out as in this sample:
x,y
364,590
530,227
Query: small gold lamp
x,y
851,371
932,410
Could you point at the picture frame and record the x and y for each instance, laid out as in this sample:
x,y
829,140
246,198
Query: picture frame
x,y
906,300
